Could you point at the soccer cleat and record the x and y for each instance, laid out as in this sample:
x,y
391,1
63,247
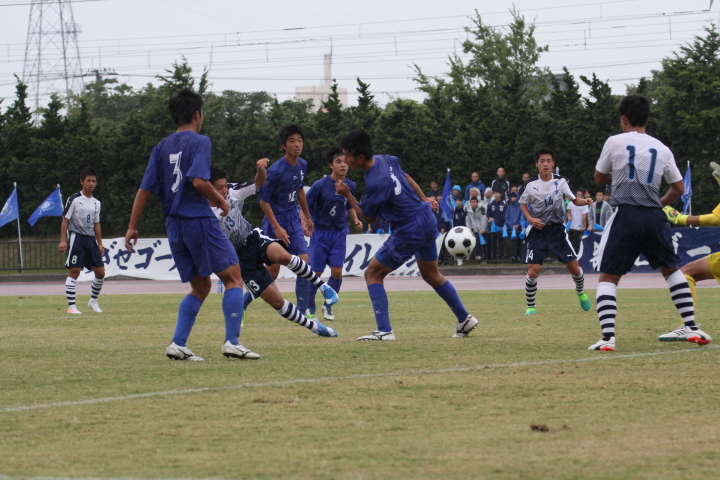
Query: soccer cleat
x,y
716,171
686,334
604,345
238,351
584,301
464,328
530,311
323,331
73,310
94,305
310,314
176,352
671,213
327,312
331,296
377,335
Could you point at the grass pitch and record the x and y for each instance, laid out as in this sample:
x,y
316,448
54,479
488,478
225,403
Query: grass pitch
x,y
521,398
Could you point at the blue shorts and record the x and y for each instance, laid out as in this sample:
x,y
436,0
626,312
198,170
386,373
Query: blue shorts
x,y
416,236
550,237
253,258
327,247
632,231
291,223
199,247
83,252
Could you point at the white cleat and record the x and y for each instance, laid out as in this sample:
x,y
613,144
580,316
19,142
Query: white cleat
x,y
604,345
72,309
464,328
686,334
176,352
327,312
378,335
238,351
94,305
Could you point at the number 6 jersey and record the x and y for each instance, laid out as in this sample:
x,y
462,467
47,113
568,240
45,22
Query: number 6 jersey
x,y
638,163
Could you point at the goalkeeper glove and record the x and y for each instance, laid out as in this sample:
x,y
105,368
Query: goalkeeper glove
x,y
716,171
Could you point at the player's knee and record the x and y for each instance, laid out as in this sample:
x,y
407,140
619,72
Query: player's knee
x,y
336,273
74,273
100,273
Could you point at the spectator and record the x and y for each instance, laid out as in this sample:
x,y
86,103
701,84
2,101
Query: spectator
x,y
475,183
513,217
458,214
434,189
456,193
578,218
474,192
525,178
488,197
501,184
496,213
442,225
476,220
602,210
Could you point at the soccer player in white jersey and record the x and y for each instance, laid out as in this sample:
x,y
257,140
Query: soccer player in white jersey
x,y
81,219
635,164
544,195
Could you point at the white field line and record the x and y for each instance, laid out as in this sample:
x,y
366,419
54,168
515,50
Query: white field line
x,y
297,381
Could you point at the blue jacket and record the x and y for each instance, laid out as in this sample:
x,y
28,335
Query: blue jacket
x,y
513,215
479,185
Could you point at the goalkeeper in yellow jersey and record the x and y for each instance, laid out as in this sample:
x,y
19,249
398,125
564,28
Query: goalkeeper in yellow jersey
x,y
704,268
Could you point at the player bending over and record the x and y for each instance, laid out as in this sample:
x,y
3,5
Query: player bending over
x,y
393,195
82,219
178,172
255,250
635,164
544,194
329,213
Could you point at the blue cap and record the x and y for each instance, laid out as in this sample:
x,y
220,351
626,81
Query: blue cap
x,y
457,187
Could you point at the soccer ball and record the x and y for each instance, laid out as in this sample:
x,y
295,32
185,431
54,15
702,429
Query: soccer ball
x,y
460,242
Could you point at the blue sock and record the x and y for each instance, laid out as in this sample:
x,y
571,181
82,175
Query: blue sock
x,y
187,313
301,293
311,293
247,300
448,293
335,284
379,299
232,306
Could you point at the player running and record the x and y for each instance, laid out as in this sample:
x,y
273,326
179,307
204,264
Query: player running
x,y
255,250
544,195
329,213
635,164
82,219
394,195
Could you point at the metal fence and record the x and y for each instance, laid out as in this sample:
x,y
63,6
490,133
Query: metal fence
x,y
37,255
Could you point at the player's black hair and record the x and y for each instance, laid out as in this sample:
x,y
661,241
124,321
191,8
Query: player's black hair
x,y
331,153
357,142
544,151
474,198
184,104
88,172
216,173
290,129
636,108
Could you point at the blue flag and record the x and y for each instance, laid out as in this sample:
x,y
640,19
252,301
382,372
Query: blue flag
x,y
446,206
10,211
51,207
688,189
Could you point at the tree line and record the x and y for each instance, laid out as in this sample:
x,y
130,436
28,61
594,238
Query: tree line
x,y
492,110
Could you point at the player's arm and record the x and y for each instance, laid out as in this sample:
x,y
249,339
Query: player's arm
x,y
342,189
63,234
206,189
416,188
98,237
356,221
261,174
674,193
603,178
535,222
308,226
131,235
708,220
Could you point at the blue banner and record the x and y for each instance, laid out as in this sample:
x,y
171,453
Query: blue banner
x,y
688,189
10,210
446,205
51,207
690,243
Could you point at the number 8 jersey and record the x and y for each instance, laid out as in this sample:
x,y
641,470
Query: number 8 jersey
x,y
638,163
83,213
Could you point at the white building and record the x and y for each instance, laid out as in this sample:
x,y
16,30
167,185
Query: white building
x,y
319,93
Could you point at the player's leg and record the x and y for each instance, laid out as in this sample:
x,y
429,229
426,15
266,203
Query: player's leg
x,y
287,310
531,280
534,256
578,277
375,275
699,270
567,253
73,264
682,297
187,313
94,261
335,282
280,256
71,290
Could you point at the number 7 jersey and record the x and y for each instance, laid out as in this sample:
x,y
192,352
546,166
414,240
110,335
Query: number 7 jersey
x,y
638,163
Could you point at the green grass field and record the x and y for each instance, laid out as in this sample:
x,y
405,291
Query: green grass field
x,y
521,398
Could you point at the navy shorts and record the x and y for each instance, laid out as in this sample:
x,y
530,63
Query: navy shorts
x,y
327,247
553,237
253,258
83,252
292,225
416,236
632,231
199,247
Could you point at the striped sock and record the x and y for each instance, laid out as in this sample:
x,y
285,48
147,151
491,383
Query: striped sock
x,y
97,284
530,290
70,285
579,282
292,313
298,266
682,297
607,308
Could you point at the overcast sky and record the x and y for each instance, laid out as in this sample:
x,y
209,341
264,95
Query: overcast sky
x,y
277,45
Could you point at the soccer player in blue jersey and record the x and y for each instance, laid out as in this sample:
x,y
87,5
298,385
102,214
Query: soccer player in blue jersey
x,y
394,195
179,172
329,214
280,198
